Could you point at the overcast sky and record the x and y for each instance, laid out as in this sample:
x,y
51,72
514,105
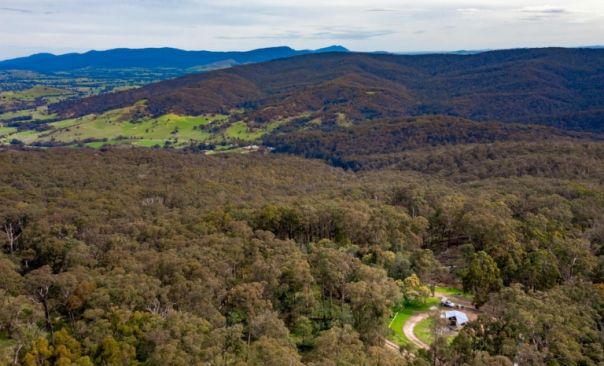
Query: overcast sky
x,y
59,26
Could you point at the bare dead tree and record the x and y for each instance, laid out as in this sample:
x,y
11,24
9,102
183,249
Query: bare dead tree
x,y
13,228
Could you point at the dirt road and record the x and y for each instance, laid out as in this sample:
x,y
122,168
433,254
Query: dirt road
x,y
409,326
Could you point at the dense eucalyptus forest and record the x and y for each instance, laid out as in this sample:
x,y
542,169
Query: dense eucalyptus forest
x,y
157,257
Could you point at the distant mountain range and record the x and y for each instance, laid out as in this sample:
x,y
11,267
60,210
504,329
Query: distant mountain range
x,y
551,86
151,58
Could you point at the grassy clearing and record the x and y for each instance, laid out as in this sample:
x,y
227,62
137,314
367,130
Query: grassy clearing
x,y
117,127
240,131
424,330
149,143
452,291
65,123
7,130
403,316
27,137
396,325
10,115
146,132
99,144
38,91
49,94
140,142
38,114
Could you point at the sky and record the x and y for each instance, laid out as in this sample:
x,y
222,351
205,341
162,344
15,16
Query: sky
x,y
61,26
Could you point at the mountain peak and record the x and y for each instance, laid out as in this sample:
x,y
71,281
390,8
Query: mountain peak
x,y
334,48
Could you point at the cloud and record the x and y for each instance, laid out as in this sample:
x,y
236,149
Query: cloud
x,y
24,11
349,33
544,10
364,25
283,35
468,11
328,33
16,10
382,10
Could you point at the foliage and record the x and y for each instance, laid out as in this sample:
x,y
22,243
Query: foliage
x,y
162,257
482,277
413,290
558,87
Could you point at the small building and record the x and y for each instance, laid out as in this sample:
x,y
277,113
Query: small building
x,y
456,318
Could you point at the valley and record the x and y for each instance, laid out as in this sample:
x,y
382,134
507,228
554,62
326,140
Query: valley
x,y
284,103
304,208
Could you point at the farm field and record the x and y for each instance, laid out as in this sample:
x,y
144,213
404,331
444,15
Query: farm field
x,y
131,126
177,130
112,125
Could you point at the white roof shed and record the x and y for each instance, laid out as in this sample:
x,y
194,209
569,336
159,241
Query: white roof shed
x,y
460,317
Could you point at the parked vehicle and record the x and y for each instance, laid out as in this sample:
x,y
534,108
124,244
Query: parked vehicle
x,y
447,303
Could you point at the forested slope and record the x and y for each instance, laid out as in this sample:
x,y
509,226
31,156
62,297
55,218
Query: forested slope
x,y
555,86
125,257
388,143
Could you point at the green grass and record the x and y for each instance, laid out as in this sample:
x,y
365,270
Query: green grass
x,y
424,330
38,114
65,123
5,342
240,131
403,316
39,91
26,137
149,143
147,132
452,291
273,125
180,131
10,115
7,130
99,144
139,142
396,325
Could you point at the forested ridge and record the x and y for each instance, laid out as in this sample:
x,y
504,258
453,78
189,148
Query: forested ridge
x,y
551,86
128,60
151,257
390,143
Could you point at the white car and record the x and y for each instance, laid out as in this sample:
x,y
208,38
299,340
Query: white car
x,y
447,303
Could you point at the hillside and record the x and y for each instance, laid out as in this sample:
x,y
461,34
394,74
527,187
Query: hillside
x,y
117,255
556,87
145,257
387,143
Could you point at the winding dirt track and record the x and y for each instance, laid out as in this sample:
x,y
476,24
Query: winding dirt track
x,y
409,326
